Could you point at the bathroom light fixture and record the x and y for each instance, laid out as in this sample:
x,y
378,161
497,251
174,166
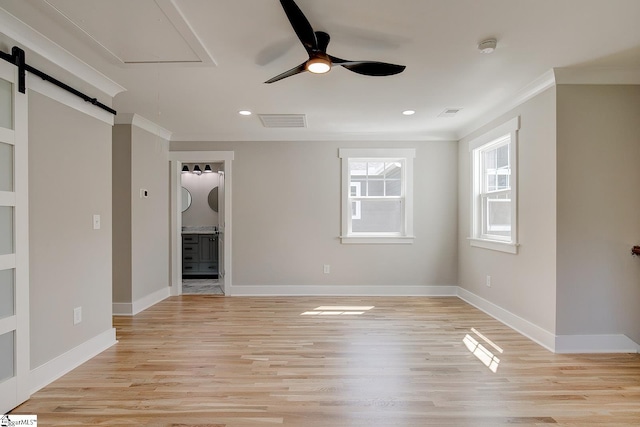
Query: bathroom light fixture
x,y
409,112
244,112
196,170
185,169
207,169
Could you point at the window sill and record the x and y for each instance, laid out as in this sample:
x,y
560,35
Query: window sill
x,y
494,245
377,240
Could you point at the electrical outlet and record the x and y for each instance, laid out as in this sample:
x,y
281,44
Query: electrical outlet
x,y
77,315
488,281
327,269
96,222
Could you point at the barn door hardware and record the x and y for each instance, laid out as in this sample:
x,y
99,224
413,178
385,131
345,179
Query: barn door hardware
x,y
17,58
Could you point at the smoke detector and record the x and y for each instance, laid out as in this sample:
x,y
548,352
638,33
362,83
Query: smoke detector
x,y
487,46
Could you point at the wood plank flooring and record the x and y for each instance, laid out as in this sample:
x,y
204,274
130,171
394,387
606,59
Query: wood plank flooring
x,y
410,361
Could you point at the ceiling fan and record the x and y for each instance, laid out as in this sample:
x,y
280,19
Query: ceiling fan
x,y
316,42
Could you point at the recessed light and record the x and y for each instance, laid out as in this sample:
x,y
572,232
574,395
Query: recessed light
x,y
408,112
244,112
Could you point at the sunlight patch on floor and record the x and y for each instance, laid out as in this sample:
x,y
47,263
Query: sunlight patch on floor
x,y
481,352
338,310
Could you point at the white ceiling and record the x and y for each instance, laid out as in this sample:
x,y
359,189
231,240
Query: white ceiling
x,y
191,65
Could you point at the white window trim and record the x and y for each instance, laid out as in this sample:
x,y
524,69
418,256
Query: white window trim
x,y
510,128
374,154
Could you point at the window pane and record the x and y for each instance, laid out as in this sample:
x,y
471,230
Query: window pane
x,y
6,167
498,215
6,104
394,170
375,188
6,356
502,157
6,230
496,169
393,188
355,210
375,169
357,187
7,301
357,169
379,216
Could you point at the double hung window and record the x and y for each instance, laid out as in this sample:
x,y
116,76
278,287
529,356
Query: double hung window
x,y
377,195
494,191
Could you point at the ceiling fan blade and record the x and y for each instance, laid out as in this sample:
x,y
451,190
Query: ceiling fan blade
x,y
300,25
292,72
369,68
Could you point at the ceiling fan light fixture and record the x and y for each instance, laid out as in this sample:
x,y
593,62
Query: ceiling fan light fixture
x,y
318,65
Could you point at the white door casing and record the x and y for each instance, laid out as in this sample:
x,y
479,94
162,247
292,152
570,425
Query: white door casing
x,y
177,158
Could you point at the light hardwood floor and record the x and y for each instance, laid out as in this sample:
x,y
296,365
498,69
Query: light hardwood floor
x,y
246,362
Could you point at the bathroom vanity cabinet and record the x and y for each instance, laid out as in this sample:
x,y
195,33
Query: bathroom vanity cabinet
x,y
199,255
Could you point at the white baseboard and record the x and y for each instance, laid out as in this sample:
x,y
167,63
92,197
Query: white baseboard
x,y
337,290
523,326
615,343
131,309
52,370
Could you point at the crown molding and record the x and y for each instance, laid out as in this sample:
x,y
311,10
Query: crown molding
x,y
142,123
553,77
536,87
39,44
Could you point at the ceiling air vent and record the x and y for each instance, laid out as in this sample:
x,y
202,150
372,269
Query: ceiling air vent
x,y
450,112
284,120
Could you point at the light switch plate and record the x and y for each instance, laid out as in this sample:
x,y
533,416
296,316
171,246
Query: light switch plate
x,y
96,222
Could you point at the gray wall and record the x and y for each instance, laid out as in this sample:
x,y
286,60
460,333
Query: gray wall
x,y
524,284
70,263
598,207
141,226
150,217
286,217
121,213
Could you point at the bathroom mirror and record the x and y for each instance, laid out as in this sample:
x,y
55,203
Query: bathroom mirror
x,y
213,199
186,199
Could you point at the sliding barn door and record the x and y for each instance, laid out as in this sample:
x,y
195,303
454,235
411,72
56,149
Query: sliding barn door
x,y
14,242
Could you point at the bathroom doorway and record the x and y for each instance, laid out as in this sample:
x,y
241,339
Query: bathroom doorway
x,y
201,184
201,222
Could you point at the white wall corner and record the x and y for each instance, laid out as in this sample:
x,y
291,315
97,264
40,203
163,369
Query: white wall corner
x,y
47,373
515,322
613,343
142,123
337,290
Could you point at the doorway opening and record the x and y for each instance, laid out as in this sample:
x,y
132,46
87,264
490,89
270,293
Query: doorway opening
x,y
200,187
201,222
